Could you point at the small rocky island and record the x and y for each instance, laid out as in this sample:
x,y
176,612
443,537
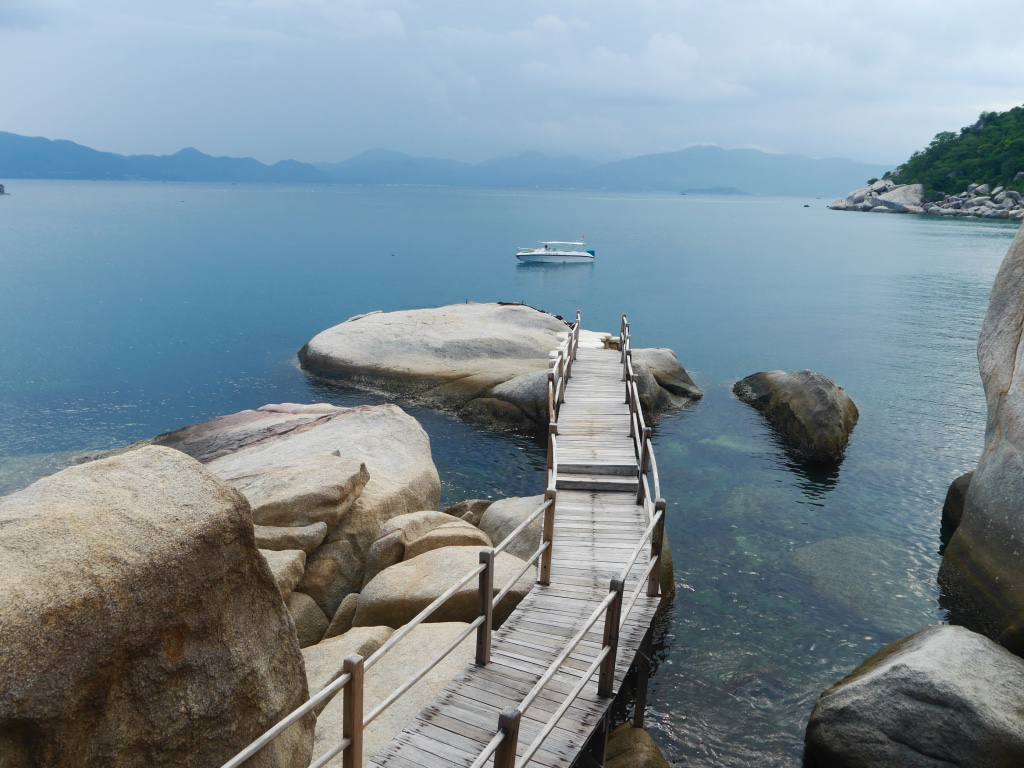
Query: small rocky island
x,y
978,200
488,363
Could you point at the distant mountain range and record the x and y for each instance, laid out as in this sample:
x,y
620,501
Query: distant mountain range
x,y
696,169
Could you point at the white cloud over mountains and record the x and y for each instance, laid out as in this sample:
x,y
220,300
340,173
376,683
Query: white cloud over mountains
x,y
323,79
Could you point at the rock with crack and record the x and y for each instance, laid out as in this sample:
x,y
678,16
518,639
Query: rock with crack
x,y
406,536
139,625
351,469
486,362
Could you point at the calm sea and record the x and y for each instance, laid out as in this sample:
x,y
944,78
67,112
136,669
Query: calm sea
x,y
131,309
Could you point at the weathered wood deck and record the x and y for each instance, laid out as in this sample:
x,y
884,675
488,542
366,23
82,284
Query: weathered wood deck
x,y
597,527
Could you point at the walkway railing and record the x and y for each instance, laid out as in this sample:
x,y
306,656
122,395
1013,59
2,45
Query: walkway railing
x,y
504,744
354,668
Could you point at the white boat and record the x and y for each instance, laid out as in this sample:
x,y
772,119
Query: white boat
x,y
557,252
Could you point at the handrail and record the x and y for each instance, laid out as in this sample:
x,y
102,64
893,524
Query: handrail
x,y
526,566
616,611
529,698
648,532
521,527
391,699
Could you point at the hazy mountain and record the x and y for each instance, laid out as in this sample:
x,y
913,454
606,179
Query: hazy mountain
x,y
689,170
39,158
746,170
383,166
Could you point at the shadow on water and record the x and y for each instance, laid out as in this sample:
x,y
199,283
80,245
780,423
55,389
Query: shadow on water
x,y
815,481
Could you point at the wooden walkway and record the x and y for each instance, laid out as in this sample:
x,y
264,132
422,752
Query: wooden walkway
x,y
598,525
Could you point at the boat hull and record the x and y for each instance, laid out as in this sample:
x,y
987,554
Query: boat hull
x,y
555,258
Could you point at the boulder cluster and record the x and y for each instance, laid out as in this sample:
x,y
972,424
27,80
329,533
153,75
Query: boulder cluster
x,y
979,200
982,201
165,604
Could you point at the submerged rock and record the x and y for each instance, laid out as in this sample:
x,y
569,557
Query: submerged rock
x,y
348,468
486,362
812,413
945,696
981,569
953,506
630,747
139,625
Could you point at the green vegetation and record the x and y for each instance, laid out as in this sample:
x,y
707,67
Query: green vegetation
x,y
989,152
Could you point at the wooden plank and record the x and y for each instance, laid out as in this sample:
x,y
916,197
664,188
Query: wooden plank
x,y
597,525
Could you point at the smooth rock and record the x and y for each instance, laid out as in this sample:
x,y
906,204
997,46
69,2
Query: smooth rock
x,y
953,506
486,362
981,573
630,747
310,622
421,645
287,566
812,413
397,594
470,510
902,198
945,696
342,619
405,536
304,537
139,626
982,189
350,468
324,661
502,517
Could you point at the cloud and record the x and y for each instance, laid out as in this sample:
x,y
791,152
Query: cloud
x,y
323,79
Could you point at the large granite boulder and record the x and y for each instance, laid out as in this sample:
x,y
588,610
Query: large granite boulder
x,y
812,413
139,625
945,696
981,569
287,567
502,517
422,645
470,510
324,661
397,594
486,362
406,536
349,468
304,537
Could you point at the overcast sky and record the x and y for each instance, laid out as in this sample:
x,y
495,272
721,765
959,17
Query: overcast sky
x,y
324,79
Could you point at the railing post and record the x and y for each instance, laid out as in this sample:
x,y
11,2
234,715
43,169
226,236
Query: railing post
x,y
606,676
563,378
508,724
657,539
352,712
548,535
552,431
486,586
551,397
645,457
643,675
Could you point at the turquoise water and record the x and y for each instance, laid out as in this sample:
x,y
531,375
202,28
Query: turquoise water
x,y
130,309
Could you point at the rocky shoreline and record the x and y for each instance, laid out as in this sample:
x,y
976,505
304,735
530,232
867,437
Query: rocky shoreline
x,y
978,201
165,604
